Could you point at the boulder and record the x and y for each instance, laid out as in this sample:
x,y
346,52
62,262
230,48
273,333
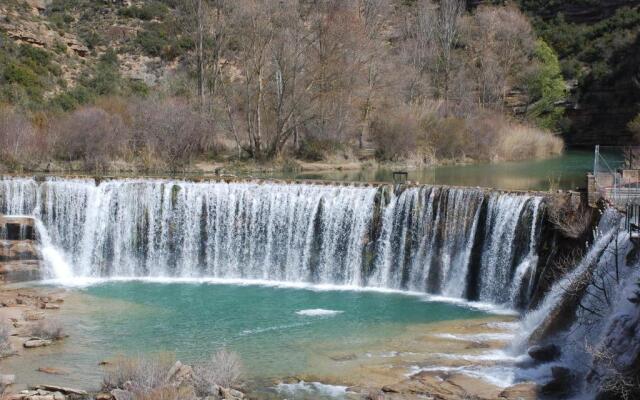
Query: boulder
x,y
65,390
119,394
544,353
560,383
231,394
36,342
179,373
104,396
520,391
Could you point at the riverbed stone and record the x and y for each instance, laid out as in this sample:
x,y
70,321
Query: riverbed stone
x,y
232,394
61,389
119,394
35,342
179,374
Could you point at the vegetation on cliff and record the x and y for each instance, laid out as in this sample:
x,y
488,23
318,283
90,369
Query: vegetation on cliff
x,y
409,81
598,46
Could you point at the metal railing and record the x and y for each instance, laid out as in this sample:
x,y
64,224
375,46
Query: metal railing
x,y
616,171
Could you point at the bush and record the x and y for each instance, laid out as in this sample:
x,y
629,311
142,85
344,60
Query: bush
x,y
140,375
25,77
395,134
223,369
153,40
19,141
312,149
520,142
5,344
145,12
48,329
171,131
91,135
547,88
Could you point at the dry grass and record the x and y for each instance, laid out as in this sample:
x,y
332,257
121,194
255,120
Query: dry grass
x,y
570,222
167,393
140,375
147,378
522,142
5,344
615,384
223,369
48,329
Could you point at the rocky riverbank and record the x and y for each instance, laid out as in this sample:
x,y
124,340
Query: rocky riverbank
x,y
451,360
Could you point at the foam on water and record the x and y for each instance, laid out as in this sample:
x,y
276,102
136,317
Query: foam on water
x,y
318,312
477,337
418,239
312,388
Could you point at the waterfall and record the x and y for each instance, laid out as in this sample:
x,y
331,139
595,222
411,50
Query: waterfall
x,y
593,314
455,242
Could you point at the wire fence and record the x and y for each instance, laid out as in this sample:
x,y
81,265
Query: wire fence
x,y
616,170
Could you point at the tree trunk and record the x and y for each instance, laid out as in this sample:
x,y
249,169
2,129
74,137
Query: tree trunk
x,y
200,56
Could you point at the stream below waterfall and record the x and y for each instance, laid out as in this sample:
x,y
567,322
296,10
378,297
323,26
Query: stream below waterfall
x,y
279,331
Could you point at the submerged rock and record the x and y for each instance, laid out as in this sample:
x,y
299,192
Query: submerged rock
x,y
544,353
52,371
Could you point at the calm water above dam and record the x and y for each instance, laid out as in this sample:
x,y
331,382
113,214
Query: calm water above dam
x,y
565,172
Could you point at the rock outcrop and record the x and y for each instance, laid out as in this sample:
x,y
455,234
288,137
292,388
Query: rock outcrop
x,y
20,259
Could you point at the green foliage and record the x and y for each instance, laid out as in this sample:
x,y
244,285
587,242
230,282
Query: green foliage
x,y
589,44
160,40
71,99
547,88
59,47
26,72
138,88
146,12
106,76
634,127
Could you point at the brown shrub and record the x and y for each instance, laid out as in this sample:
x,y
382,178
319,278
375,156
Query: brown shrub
x,y
90,135
171,131
223,369
141,375
48,329
19,140
522,142
5,333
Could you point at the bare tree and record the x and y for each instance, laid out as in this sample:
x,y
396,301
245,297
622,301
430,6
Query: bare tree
x,y
449,15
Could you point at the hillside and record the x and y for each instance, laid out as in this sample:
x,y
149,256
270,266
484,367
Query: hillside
x,y
414,82
599,49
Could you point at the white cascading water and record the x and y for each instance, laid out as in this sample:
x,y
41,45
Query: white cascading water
x,y
464,243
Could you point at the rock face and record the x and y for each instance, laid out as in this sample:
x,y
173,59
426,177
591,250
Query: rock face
x,y
19,256
561,383
544,353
